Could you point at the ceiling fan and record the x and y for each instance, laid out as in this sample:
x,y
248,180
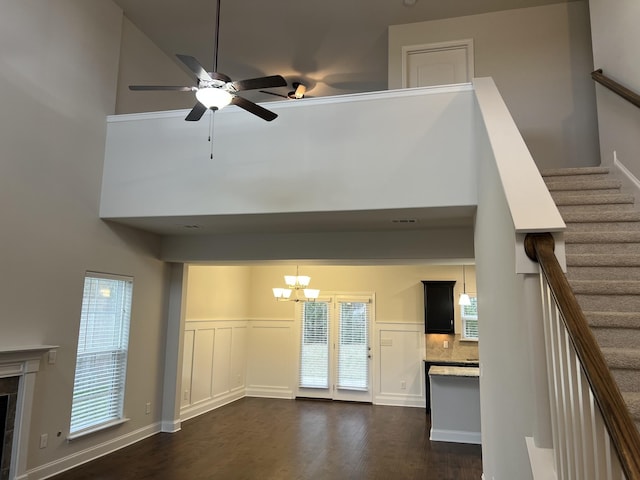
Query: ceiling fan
x,y
216,90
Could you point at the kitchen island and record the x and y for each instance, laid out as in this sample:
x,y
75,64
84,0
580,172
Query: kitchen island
x,y
455,404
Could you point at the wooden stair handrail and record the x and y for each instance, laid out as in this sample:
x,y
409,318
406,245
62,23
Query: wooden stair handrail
x,y
622,431
614,86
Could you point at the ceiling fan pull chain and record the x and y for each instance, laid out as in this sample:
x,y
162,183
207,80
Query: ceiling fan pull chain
x,y
211,134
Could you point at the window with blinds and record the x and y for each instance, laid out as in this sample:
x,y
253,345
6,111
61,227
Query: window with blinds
x,y
469,315
353,345
314,345
98,390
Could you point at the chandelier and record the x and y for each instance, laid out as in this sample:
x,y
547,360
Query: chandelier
x,y
296,289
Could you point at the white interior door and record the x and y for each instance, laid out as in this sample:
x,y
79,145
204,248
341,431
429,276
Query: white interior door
x,y
437,64
335,352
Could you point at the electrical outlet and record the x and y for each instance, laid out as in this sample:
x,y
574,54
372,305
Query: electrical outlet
x,y
185,395
147,408
403,385
44,439
445,344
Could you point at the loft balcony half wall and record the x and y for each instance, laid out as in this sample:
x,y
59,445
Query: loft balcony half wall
x,y
401,151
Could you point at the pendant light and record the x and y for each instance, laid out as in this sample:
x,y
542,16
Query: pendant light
x,y
464,298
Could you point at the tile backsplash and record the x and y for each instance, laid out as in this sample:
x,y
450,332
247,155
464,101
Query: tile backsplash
x,y
457,351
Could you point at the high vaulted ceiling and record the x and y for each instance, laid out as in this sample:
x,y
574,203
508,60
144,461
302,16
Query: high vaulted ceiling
x,y
333,46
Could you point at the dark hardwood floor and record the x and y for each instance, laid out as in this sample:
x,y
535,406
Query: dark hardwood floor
x,y
258,438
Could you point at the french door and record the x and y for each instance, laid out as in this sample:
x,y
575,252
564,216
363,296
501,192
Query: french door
x,y
335,353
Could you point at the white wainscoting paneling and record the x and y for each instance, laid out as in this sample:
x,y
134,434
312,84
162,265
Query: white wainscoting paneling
x,y
399,350
202,372
187,368
271,361
213,366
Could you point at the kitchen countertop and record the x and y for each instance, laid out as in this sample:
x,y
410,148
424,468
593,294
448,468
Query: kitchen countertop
x,y
454,371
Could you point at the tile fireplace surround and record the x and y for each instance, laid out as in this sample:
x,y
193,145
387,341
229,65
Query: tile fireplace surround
x,y
21,363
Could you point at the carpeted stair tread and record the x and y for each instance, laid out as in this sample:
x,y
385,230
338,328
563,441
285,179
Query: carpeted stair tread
x,y
605,248
610,319
613,216
602,237
570,185
561,172
602,260
622,358
603,273
632,399
602,199
606,287
602,243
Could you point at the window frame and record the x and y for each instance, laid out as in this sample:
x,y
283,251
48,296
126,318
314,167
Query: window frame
x,y
109,357
464,318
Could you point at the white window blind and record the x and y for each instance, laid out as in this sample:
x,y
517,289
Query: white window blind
x,y
98,390
314,345
469,315
353,345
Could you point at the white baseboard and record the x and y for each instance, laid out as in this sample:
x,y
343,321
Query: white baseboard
x,y
629,180
267,391
170,426
199,408
456,436
399,400
70,461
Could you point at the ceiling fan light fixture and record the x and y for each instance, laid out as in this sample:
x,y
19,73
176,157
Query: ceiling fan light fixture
x,y
212,97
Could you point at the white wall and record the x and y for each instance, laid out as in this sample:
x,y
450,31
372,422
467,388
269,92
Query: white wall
x,y
143,63
540,59
360,152
615,38
58,67
506,396
397,246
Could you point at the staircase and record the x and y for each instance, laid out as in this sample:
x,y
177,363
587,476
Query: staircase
x,y
602,244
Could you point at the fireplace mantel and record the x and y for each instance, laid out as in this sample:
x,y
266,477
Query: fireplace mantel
x,y
23,362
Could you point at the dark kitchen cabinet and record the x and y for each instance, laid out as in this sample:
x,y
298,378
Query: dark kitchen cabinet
x,y
438,306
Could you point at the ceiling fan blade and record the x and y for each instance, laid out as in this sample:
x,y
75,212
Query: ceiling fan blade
x,y
196,113
274,93
254,108
261,82
161,87
220,76
195,67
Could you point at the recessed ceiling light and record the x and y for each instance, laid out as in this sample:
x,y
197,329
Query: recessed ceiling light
x,y
408,3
